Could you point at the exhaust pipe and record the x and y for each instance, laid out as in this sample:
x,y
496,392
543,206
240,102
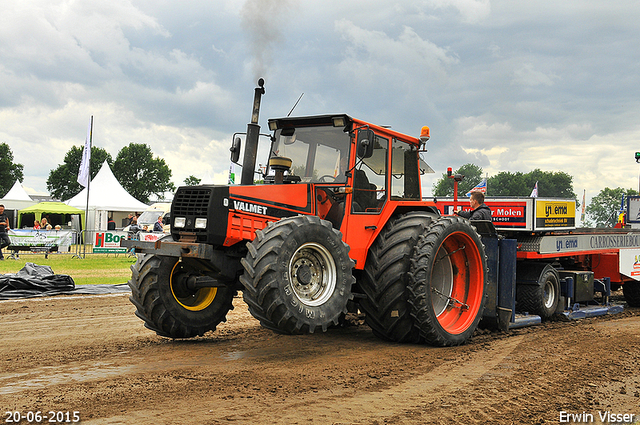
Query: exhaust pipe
x,y
253,133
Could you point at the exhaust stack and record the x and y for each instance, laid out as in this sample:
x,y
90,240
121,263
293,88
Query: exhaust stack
x,y
253,133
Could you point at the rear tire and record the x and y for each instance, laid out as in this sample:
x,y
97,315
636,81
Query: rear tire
x,y
631,291
170,309
448,279
385,278
537,289
298,275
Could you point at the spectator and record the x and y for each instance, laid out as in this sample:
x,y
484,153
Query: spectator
x,y
157,226
36,225
44,224
111,225
480,211
134,227
4,231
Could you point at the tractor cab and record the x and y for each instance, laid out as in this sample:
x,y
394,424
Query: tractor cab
x,y
339,150
357,170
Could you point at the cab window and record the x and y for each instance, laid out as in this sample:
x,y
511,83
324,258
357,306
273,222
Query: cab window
x,y
405,172
370,180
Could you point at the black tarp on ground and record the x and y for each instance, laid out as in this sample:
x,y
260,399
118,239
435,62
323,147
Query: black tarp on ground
x,y
37,281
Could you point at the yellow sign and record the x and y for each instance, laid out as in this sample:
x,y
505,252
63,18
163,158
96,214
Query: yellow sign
x,y
560,213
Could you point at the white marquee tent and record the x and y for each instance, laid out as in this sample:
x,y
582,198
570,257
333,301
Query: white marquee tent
x,y
16,199
106,197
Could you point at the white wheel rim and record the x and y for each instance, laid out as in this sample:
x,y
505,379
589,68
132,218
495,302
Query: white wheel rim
x,y
313,274
549,294
441,282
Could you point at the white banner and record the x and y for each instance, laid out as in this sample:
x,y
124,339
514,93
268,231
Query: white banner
x,y
36,238
83,172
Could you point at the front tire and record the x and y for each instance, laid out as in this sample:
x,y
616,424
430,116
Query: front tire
x,y
298,275
167,306
448,279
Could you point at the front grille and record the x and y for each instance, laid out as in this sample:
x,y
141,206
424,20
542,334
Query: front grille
x,y
192,202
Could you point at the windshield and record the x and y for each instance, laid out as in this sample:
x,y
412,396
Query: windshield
x,y
149,217
315,152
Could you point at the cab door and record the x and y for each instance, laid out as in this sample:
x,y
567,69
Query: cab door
x,y
369,183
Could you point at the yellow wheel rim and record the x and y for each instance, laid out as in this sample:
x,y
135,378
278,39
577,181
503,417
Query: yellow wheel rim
x,y
200,300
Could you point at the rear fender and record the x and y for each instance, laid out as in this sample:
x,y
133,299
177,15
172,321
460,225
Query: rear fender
x,y
361,230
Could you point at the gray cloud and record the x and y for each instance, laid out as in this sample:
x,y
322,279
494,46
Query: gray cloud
x,y
510,86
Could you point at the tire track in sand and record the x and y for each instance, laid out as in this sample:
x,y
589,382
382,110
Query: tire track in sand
x,y
343,406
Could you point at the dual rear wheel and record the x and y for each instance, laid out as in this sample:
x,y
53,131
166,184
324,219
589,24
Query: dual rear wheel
x,y
425,280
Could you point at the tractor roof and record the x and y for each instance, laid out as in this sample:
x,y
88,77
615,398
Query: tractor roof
x,y
337,120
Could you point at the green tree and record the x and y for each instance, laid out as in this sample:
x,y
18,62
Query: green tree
x,y
192,181
472,176
506,183
605,206
63,181
550,184
141,174
9,172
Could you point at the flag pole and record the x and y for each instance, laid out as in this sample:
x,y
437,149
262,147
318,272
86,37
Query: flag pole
x,y
86,210
584,194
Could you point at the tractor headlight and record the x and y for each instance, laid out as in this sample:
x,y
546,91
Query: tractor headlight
x,y
179,222
201,223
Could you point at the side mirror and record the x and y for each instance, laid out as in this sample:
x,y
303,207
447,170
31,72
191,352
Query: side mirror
x,y
235,150
365,143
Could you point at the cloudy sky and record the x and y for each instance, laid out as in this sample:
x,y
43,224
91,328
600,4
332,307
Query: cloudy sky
x,y
507,85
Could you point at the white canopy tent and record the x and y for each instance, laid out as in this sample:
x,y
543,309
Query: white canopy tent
x,y
16,199
106,196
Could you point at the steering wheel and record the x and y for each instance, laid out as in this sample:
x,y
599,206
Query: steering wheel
x,y
322,178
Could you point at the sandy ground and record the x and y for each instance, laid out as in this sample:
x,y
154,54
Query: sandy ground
x,y
91,355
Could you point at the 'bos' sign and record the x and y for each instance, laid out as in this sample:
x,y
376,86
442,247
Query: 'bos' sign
x,y
109,242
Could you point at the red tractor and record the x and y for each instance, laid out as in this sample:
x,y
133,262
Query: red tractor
x,y
338,224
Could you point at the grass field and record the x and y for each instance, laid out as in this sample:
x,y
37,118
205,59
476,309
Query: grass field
x,y
93,269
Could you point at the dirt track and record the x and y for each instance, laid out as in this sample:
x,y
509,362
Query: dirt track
x,y
92,355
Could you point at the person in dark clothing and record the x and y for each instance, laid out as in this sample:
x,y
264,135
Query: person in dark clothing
x,y
134,227
4,231
479,210
111,224
157,226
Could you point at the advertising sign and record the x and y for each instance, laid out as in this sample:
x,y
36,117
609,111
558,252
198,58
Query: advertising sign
x,y
40,238
509,214
633,209
630,263
150,237
555,214
109,242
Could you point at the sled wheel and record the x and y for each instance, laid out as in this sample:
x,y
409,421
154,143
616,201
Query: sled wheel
x,y
385,279
298,275
167,305
448,278
631,291
537,289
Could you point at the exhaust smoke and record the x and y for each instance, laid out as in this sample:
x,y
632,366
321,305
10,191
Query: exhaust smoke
x,y
263,19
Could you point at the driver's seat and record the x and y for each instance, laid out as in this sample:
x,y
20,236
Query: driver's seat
x,y
364,192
